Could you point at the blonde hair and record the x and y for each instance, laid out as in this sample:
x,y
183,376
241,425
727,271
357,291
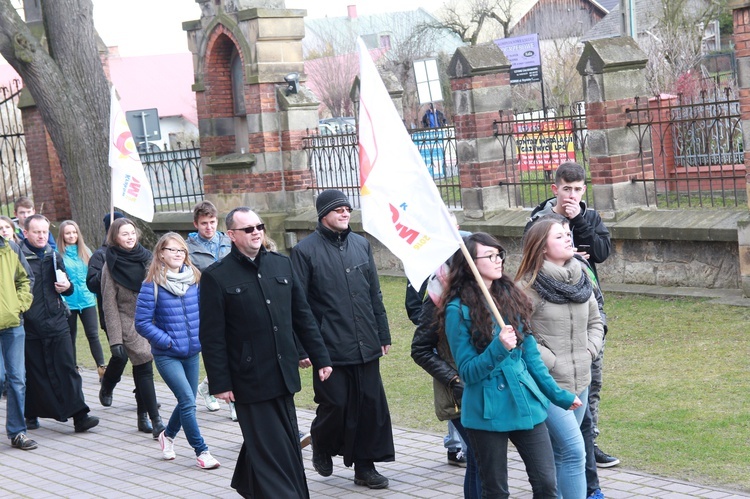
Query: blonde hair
x,y
83,252
8,220
157,271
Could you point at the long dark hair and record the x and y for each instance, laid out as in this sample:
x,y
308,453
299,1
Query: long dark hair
x,y
513,304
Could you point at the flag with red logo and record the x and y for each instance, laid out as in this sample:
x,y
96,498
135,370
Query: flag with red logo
x,y
401,205
131,190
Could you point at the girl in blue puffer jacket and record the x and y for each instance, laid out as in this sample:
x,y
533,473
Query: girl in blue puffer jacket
x,y
166,315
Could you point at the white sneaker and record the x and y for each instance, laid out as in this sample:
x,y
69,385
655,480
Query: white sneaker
x,y
207,462
232,411
167,446
211,403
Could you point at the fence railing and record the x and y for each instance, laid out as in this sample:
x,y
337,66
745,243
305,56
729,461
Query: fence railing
x,y
691,150
15,175
532,146
334,160
176,178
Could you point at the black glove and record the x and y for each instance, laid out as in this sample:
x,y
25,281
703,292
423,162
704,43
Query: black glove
x,y
457,389
119,351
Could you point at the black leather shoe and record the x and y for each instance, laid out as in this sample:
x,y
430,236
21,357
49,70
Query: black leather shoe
x,y
322,463
370,478
86,424
144,424
157,427
32,423
105,396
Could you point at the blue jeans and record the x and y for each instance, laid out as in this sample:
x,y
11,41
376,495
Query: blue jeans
x,y
13,342
570,454
453,441
472,481
181,376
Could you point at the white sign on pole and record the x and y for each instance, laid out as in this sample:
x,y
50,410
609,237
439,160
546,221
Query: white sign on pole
x,y
428,81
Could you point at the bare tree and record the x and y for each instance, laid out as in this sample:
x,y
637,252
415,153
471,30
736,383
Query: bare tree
x,y
67,82
332,65
477,21
409,43
673,45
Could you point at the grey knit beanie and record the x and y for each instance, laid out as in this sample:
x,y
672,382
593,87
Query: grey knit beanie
x,y
329,200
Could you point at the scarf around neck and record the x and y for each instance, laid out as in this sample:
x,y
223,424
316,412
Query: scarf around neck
x,y
128,268
551,286
178,283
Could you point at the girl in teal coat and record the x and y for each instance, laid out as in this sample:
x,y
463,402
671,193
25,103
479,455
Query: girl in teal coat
x,y
507,388
82,302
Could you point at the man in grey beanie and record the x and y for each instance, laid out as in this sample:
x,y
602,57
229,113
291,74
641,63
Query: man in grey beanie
x,y
337,272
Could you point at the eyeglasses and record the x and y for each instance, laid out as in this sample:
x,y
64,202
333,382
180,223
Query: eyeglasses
x,y
340,210
175,250
494,257
252,228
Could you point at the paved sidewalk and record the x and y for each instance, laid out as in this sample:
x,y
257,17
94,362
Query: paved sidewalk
x,y
114,460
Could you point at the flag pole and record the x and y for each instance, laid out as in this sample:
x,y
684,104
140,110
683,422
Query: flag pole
x,y
482,286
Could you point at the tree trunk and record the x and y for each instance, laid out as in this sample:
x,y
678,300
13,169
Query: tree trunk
x,y
68,85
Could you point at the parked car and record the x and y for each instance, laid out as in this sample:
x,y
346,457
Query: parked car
x,y
332,126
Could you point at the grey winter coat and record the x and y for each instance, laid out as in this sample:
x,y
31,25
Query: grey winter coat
x,y
569,334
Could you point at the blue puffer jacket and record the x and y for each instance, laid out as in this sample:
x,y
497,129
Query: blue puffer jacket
x,y
171,326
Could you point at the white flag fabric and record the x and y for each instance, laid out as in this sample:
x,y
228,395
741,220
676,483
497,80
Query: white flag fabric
x,y
401,205
131,190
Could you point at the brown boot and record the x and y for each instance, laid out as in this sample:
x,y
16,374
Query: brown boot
x,y
101,370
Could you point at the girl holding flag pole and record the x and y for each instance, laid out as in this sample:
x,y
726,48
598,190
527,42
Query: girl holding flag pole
x,y
507,387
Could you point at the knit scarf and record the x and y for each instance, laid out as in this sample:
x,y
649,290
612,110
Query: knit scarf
x,y
128,268
178,283
555,291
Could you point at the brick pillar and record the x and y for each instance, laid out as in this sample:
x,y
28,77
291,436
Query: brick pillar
x,y
480,81
613,75
254,156
47,180
741,13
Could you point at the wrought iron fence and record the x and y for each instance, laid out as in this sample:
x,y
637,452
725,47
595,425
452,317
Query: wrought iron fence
x,y
176,178
690,150
532,146
15,178
334,160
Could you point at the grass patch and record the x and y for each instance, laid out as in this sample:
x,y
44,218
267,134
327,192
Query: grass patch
x,y
676,384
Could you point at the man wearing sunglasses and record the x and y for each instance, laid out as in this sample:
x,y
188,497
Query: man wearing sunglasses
x,y
251,309
336,269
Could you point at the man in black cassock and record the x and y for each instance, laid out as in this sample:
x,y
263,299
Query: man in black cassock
x,y
336,269
251,307
53,386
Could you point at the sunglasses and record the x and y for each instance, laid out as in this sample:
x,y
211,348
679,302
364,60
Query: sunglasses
x,y
494,257
342,209
252,228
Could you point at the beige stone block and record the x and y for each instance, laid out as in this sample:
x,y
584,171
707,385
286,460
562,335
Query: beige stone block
x,y
281,28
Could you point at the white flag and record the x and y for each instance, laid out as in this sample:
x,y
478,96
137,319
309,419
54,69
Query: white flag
x,y
401,205
131,190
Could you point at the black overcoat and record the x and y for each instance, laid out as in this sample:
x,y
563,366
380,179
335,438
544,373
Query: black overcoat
x,y
250,312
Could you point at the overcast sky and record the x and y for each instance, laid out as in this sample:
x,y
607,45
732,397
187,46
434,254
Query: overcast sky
x,y
143,27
